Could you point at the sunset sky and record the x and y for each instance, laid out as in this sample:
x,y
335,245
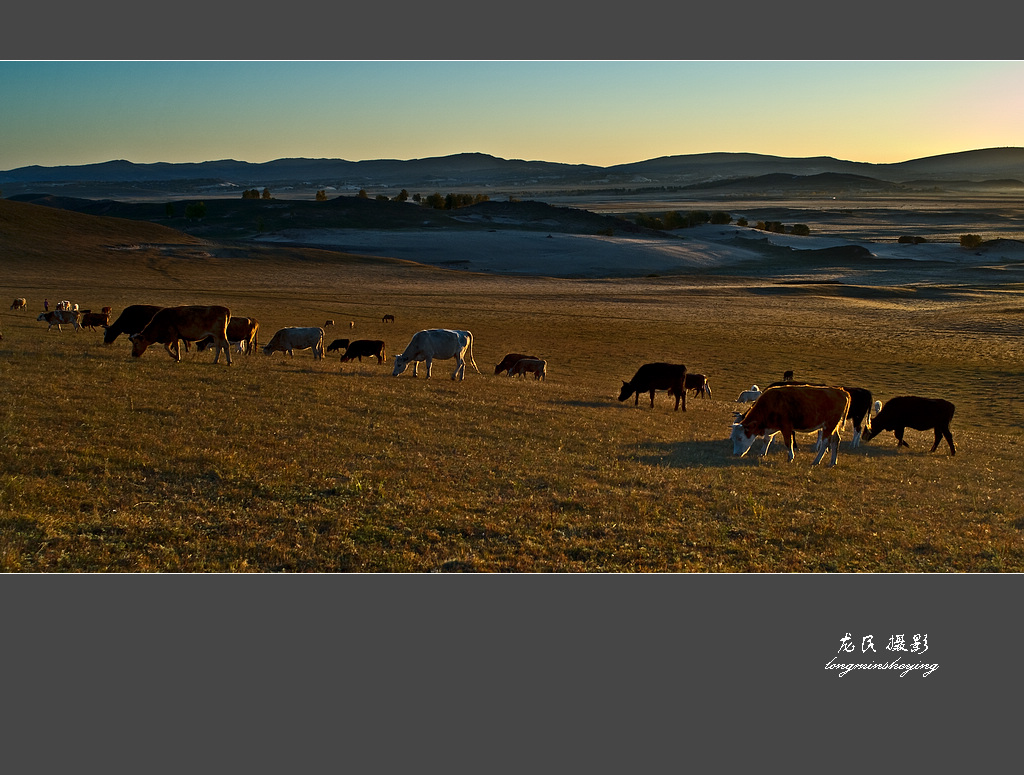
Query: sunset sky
x,y
584,112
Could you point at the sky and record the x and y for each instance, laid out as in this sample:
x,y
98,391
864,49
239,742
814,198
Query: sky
x,y
579,112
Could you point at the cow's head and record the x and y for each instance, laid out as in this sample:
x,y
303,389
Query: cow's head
x,y
139,344
742,439
626,392
401,362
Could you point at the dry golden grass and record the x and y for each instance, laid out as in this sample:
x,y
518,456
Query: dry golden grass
x,y
277,464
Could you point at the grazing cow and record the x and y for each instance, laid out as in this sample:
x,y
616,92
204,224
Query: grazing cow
x,y
793,409
63,305
388,319
351,324
749,395
19,304
328,323
132,320
535,366
698,383
371,348
107,310
338,344
657,376
440,343
292,338
510,360
242,332
921,414
860,406
58,316
189,323
92,320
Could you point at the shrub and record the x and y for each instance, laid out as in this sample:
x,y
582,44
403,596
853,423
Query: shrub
x,y
720,217
800,229
970,240
908,239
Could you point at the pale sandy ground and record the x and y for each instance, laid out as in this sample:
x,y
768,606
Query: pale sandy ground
x,y
716,249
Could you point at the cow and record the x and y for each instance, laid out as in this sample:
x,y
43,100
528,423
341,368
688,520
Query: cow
x,y
793,409
132,320
388,319
93,319
371,348
860,406
440,343
292,338
921,414
189,323
107,310
64,305
749,395
328,323
698,383
536,366
657,376
510,360
338,344
58,316
19,304
242,332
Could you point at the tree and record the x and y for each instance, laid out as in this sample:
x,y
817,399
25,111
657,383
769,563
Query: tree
x,y
720,217
266,193
402,195
801,229
169,210
195,210
321,195
970,241
362,194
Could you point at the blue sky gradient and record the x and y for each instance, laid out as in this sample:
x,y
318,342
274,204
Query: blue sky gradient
x,y
583,112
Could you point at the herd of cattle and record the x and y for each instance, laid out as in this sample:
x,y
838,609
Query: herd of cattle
x,y
786,407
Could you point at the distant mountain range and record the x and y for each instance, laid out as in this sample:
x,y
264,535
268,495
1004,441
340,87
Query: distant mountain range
x,y
986,167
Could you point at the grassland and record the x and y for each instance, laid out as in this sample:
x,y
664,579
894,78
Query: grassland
x,y
274,464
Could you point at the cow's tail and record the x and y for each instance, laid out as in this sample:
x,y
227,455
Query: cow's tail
x,y
471,352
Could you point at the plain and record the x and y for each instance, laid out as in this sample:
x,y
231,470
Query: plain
x,y
290,464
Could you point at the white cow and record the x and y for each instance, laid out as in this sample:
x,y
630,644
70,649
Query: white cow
x,y
297,338
749,395
440,343
58,316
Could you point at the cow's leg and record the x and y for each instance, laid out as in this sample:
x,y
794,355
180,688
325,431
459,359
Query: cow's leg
x,y
460,368
898,432
652,398
415,366
429,362
949,440
767,439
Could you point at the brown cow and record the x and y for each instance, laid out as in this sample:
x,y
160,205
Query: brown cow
x,y
793,409
132,320
510,360
94,319
243,332
388,319
657,376
190,323
698,383
535,366
19,304
371,348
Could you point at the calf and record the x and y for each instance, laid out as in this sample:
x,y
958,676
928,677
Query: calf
x,y
509,361
698,383
338,344
749,395
535,366
371,348
921,414
657,376
91,320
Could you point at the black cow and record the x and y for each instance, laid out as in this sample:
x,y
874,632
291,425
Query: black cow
x,y
131,321
371,348
338,344
657,376
921,414
510,360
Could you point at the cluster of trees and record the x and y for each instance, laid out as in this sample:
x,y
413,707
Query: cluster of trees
x,y
970,240
676,220
778,227
453,201
253,193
